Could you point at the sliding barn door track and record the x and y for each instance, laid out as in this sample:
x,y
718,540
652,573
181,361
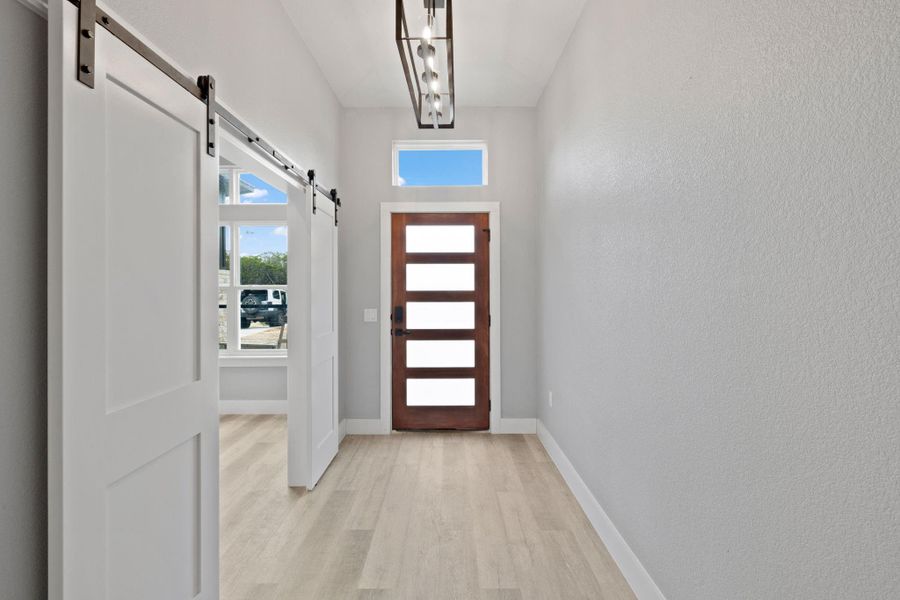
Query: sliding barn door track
x,y
203,88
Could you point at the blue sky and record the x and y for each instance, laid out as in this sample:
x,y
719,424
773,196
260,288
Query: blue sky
x,y
262,193
259,239
440,167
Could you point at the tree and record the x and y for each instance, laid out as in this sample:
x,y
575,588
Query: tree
x,y
269,268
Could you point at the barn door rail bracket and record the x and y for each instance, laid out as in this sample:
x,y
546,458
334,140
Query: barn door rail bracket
x,y
87,25
90,15
337,203
207,83
202,88
311,174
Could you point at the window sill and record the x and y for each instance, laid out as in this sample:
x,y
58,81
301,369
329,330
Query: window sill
x,y
277,360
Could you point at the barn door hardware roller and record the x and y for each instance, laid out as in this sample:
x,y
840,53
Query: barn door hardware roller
x,y
337,203
207,84
311,175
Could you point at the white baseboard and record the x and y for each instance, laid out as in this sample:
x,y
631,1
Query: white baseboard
x,y
376,427
252,407
640,581
342,430
518,426
364,427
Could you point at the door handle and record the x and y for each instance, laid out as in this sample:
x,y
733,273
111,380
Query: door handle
x,y
401,332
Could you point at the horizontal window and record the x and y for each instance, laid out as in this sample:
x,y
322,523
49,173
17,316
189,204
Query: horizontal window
x,y
440,353
440,392
440,165
440,277
440,315
440,238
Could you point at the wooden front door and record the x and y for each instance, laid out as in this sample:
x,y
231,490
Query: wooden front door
x,y
440,320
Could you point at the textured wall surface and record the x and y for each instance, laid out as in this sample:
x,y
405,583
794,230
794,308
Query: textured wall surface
x,y
720,306
23,288
366,137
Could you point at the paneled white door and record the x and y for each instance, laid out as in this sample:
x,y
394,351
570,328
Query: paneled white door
x,y
133,435
323,340
313,433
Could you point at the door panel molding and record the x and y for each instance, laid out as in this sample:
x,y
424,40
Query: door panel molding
x,y
493,211
313,361
115,432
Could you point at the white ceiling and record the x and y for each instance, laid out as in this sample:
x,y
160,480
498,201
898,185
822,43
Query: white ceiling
x,y
504,50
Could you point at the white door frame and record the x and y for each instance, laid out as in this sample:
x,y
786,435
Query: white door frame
x,y
389,208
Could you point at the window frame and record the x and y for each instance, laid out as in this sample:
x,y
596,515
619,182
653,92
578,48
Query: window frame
x,y
399,145
235,215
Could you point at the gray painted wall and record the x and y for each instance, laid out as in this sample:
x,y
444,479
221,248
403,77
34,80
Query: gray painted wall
x,y
23,287
267,76
264,72
299,114
720,306
253,383
366,138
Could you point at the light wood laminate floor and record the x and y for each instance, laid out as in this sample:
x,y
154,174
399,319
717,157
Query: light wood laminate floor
x,y
407,516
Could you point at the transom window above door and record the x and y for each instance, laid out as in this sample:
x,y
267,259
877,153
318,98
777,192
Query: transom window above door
x,y
440,164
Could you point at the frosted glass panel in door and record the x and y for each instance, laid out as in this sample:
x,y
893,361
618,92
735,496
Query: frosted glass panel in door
x,y
440,315
440,238
440,277
440,392
440,353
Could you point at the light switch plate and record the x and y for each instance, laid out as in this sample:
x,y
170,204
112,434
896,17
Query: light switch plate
x,y
370,315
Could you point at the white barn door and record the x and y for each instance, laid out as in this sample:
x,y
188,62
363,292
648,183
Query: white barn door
x,y
313,426
133,434
323,340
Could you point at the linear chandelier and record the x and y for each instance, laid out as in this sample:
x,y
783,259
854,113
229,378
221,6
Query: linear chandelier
x,y
427,57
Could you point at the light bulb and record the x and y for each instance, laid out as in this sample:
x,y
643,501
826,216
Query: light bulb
x,y
434,84
437,103
428,29
430,62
